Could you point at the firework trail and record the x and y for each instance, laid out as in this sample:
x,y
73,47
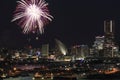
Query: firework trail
x,y
61,47
32,15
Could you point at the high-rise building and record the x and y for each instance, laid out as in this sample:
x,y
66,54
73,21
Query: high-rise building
x,y
80,51
84,50
98,43
45,50
109,38
98,46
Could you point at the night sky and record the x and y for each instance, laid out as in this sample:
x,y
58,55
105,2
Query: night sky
x,y
75,22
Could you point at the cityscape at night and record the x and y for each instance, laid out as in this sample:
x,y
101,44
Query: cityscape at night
x,y
59,40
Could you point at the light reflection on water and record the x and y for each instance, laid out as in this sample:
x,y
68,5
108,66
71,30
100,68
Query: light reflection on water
x,y
24,78
19,78
29,78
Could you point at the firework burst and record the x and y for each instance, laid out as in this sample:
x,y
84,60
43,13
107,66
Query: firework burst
x,y
32,15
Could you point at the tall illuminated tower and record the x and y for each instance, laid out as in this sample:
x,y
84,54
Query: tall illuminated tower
x,y
109,38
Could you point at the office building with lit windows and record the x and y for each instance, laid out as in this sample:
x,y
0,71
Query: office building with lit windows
x,y
109,38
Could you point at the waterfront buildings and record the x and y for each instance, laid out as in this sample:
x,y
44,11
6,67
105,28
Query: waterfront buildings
x,y
104,46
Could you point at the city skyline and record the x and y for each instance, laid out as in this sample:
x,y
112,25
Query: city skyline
x,y
75,22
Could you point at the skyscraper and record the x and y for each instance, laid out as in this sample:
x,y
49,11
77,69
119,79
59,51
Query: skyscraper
x,y
109,38
45,50
98,46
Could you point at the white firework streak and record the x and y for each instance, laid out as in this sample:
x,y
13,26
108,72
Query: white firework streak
x,y
33,14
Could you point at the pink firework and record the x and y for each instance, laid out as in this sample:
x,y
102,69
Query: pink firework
x,y
32,15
